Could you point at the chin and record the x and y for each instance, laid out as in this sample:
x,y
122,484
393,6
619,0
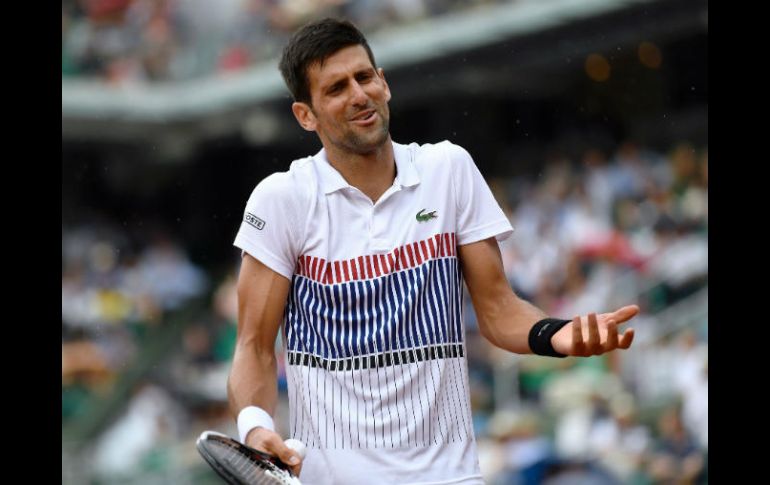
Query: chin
x,y
367,144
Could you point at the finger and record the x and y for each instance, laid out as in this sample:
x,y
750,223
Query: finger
x,y
625,313
296,469
300,448
612,336
287,455
626,339
593,346
578,346
276,447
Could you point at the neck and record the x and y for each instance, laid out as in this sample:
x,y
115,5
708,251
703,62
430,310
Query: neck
x,y
371,173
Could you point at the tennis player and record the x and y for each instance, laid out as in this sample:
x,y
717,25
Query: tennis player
x,y
358,255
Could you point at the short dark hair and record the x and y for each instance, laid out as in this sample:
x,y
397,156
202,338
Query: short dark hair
x,y
314,43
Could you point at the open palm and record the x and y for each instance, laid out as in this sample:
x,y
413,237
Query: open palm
x,y
595,334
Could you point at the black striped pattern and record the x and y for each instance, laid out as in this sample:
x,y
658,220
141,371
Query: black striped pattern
x,y
379,361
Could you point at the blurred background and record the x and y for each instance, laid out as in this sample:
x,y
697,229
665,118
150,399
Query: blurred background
x,y
588,118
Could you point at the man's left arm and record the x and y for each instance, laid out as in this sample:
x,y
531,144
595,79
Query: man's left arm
x,y
506,320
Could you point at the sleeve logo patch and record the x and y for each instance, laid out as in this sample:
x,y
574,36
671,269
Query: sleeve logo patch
x,y
254,220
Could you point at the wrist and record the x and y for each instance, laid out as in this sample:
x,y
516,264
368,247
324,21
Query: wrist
x,y
252,417
540,336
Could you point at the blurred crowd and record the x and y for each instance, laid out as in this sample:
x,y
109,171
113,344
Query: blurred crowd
x,y
590,234
115,286
593,234
579,226
141,41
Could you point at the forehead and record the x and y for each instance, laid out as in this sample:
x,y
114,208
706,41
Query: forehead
x,y
345,61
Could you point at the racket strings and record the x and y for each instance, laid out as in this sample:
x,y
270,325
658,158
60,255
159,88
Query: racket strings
x,y
257,470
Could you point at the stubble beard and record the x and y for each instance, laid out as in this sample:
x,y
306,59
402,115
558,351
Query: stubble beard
x,y
363,144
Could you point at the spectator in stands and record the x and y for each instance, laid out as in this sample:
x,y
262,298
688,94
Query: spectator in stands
x,y
676,457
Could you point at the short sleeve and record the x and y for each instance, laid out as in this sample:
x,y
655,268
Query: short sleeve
x,y
271,227
479,216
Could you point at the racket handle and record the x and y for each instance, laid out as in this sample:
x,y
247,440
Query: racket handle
x,y
297,446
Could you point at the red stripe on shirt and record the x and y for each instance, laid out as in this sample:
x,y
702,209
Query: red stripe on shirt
x,y
346,270
369,270
405,260
417,253
425,253
329,277
376,265
337,275
310,266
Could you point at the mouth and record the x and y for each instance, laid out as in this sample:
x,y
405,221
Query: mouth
x,y
365,118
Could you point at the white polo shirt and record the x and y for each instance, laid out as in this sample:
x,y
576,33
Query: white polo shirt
x,y
373,329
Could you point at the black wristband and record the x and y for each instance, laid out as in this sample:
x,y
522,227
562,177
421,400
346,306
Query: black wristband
x,y
540,336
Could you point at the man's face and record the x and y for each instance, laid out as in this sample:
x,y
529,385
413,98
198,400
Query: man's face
x,y
349,102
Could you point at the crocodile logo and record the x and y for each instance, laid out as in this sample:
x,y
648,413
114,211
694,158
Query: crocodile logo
x,y
425,217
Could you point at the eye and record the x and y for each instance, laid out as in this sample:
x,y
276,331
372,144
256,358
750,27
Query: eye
x,y
335,89
363,77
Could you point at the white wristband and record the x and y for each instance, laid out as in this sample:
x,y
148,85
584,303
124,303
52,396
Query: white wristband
x,y
249,418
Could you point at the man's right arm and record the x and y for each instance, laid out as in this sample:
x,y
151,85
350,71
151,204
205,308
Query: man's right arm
x,y
253,381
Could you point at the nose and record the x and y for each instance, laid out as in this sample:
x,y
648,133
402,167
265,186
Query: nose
x,y
358,96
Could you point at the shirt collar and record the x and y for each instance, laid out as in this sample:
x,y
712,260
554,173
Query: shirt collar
x,y
332,180
406,174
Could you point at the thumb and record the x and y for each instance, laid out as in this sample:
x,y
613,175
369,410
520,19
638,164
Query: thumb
x,y
287,455
270,442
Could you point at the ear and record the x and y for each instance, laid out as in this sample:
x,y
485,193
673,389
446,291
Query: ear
x,y
305,116
387,88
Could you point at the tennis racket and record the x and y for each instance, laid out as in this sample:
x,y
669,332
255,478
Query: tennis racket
x,y
239,464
